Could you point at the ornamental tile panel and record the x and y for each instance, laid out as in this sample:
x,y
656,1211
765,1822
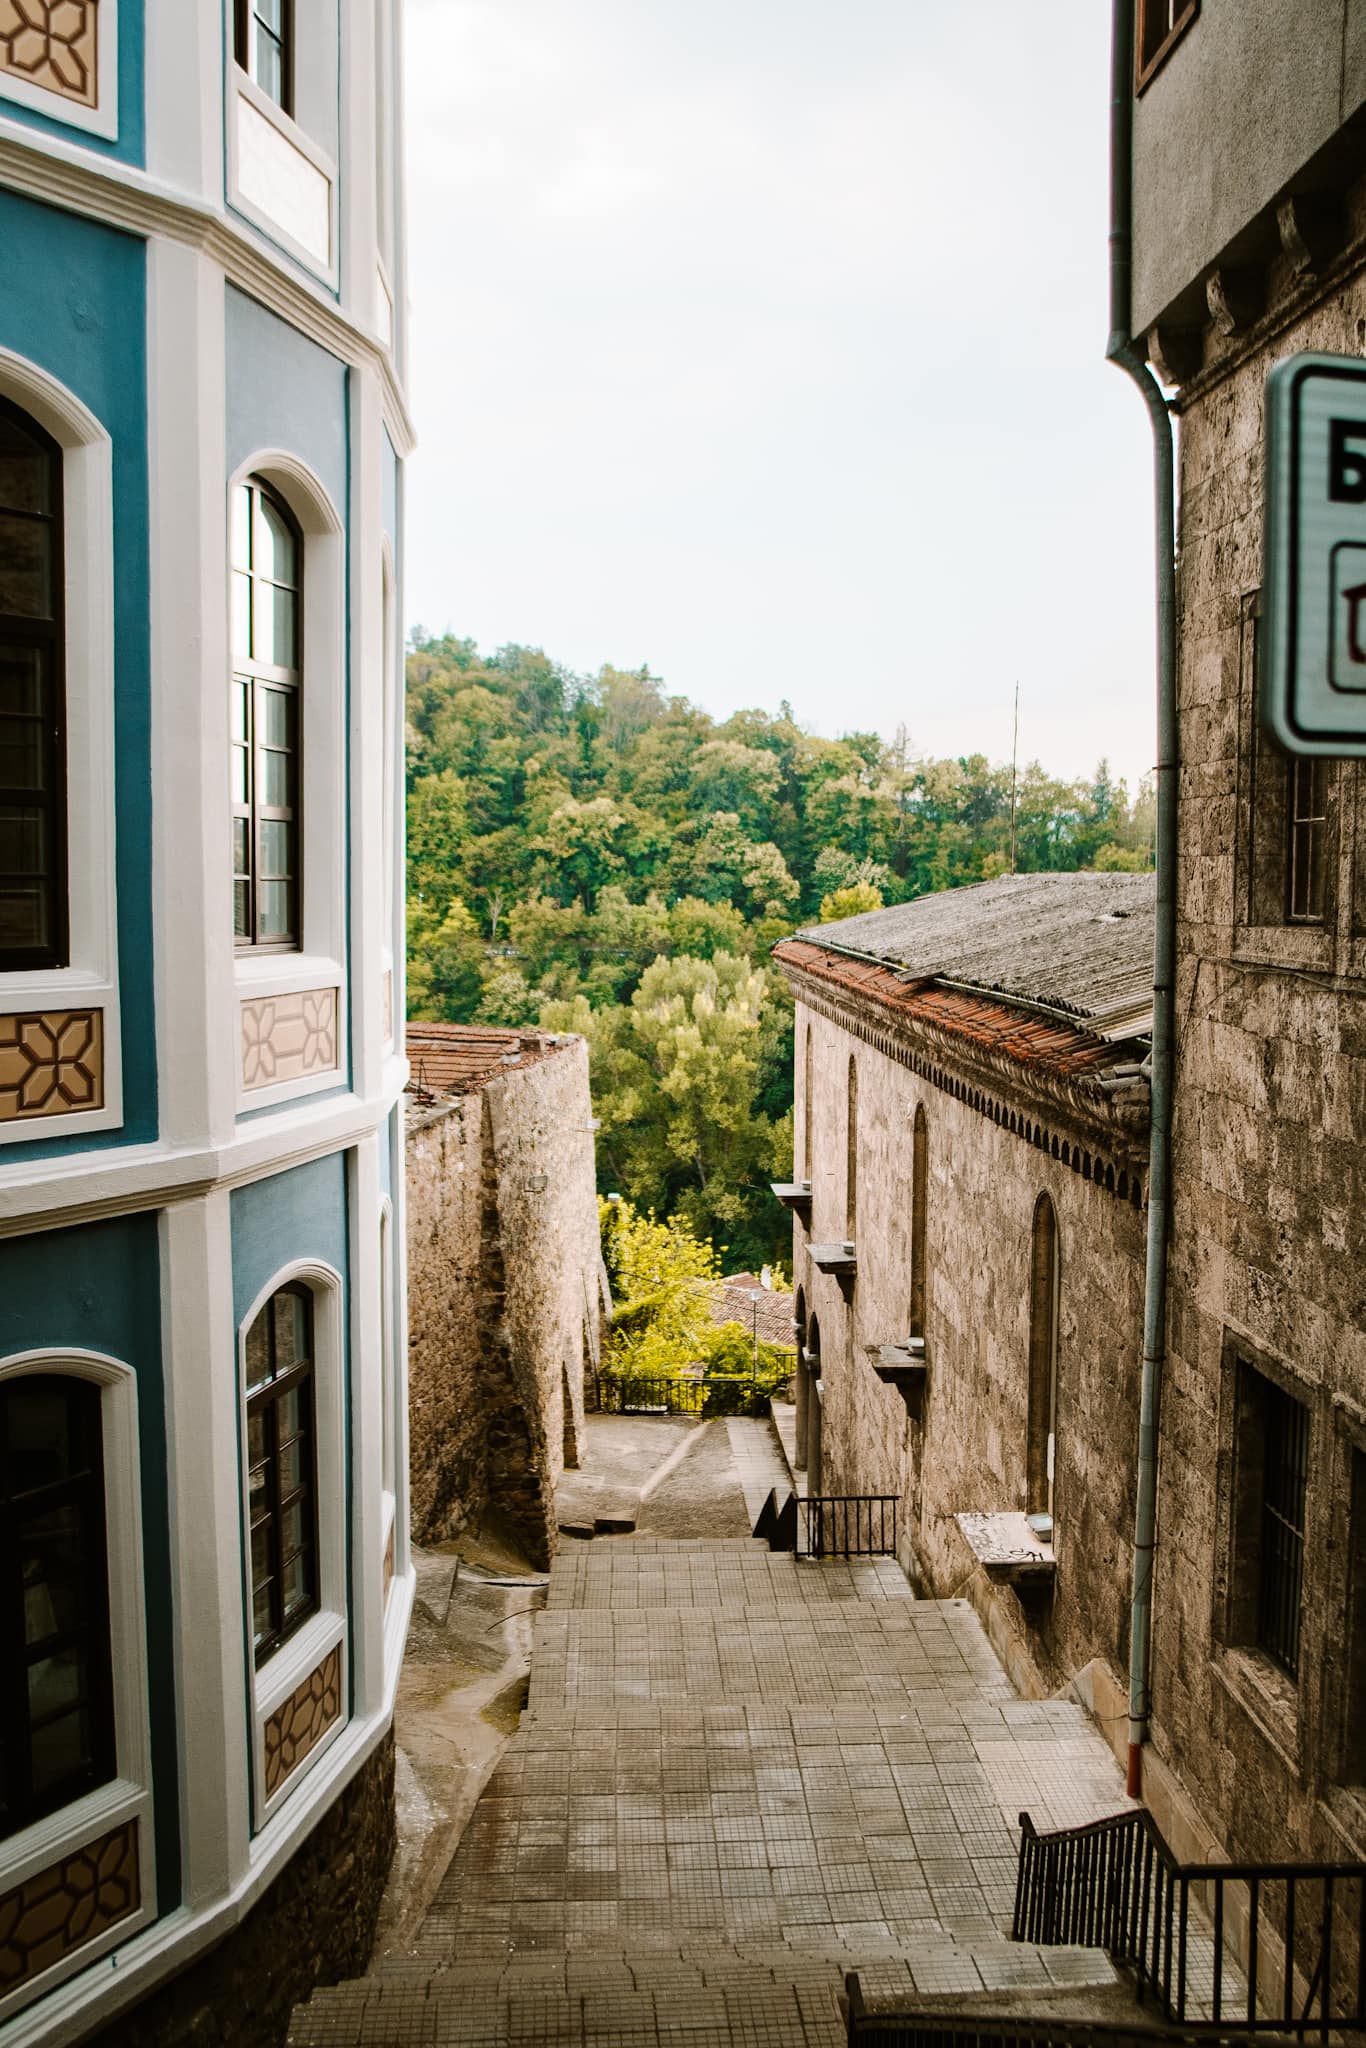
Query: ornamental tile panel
x,y
285,1038
60,1909
51,1061
301,1723
52,44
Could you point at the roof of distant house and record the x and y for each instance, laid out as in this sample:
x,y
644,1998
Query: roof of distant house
x,y
1076,945
453,1059
771,1312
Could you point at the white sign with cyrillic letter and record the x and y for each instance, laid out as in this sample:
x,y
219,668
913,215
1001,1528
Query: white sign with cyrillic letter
x,y
1313,684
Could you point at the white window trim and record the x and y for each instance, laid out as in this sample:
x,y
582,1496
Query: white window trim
x,y
91,977
286,1668
128,1796
322,696
388,1354
103,118
243,89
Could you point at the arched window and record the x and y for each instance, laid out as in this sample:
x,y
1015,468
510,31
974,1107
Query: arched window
x,y
808,1108
920,1182
33,912
57,1730
1043,1357
851,1161
282,1458
267,574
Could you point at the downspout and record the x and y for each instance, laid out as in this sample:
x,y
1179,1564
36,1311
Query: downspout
x,y
1121,351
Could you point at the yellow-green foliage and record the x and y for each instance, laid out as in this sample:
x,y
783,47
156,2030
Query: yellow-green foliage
x,y
662,1279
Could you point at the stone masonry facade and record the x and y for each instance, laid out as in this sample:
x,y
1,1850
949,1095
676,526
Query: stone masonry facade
x,y
1267,1272
995,1144
505,1289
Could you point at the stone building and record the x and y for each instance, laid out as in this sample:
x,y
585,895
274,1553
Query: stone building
x,y
506,1286
968,1241
204,1578
1259,1603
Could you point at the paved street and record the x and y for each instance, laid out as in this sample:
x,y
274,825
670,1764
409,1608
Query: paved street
x,y
740,1775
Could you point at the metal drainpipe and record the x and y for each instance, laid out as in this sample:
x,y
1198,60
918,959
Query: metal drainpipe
x,y
1120,350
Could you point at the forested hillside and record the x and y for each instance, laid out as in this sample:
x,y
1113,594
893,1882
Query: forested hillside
x,y
597,855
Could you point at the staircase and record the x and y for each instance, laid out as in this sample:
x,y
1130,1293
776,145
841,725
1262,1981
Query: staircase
x,y
742,1776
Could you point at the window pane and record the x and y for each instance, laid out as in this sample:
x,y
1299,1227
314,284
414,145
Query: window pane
x,y
258,1493
241,911
277,920
241,616
21,681
276,708
55,1685
276,557
23,842
293,1531
270,71
258,1353
241,784
272,13
25,470
21,753
54,1554
49,1433
277,781
289,1416
273,632
61,1751
260,1611
241,527
241,847
23,916
293,1471
25,567
291,1333
260,1553
277,850
297,1584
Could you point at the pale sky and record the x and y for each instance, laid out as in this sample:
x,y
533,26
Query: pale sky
x,y
761,341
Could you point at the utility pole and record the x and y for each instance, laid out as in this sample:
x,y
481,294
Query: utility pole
x,y
1014,756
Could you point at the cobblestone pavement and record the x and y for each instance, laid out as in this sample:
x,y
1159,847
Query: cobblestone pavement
x,y
741,1774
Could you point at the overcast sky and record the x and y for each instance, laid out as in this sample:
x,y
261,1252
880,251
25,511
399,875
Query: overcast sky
x,y
761,341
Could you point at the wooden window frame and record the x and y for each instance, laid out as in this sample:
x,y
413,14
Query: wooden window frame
x,y
261,680
1309,847
17,1654
49,637
1147,66
264,1401
244,50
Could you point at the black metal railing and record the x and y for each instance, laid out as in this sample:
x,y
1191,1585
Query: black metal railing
x,y
1258,1948
886,2027
848,1525
651,1394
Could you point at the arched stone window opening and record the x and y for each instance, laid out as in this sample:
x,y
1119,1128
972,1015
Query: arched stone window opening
x,y
801,1379
808,1106
1043,1359
920,1182
851,1160
813,1413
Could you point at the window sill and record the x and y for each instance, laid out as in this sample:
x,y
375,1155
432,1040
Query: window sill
x,y
1268,1698
1304,947
259,972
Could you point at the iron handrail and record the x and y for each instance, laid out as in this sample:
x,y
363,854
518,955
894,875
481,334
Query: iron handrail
x,y
830,1517
1115,1884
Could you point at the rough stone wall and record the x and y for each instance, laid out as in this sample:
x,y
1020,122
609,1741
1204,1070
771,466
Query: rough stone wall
x,y
969,1450
315,1925
1270,1175
504,1284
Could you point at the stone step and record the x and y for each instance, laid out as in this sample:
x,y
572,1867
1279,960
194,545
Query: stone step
x,y
673,1995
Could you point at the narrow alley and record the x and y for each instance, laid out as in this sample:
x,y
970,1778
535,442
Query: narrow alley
x,y
740,1775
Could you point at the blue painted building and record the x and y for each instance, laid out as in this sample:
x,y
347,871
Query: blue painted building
x,y
204,1576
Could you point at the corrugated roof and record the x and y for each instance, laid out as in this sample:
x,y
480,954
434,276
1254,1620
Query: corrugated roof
x,y
452,1059
1080,943
1050,1044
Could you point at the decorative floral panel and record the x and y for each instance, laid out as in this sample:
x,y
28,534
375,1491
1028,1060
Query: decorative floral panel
x,y
52,44
301,1723
285,1038
62,1908
51,1061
